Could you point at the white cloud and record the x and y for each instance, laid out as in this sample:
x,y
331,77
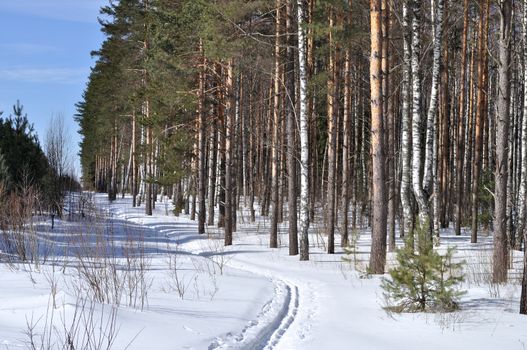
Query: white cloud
x,y
44,75
68,10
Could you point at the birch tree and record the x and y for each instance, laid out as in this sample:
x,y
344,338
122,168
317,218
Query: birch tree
x,y
419,194
304,134
406,150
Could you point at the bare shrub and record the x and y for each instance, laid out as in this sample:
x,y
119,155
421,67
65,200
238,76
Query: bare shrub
x,y
217,254
19,240
110,273
177,281
84,330
479,272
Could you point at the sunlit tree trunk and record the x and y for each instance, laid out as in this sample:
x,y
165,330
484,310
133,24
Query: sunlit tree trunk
x,y
431,124
500,256
419,194
406,142
378,247
304,134
291,134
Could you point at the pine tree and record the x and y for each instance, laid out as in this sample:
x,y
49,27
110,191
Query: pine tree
x,y
424,280
5,176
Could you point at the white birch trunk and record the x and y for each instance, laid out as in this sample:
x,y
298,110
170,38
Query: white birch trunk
x,y
406,152
416,113
304,136
430,159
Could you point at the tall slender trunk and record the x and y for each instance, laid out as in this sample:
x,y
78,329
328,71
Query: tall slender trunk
x,y
406,142
221,95
521,215
387,102
431,124
202,178
500,256
213,169
332,110
346,146
148,163
378,247
420,196
461,124
275,157
480,116
304,135
291,127
134,162
229,127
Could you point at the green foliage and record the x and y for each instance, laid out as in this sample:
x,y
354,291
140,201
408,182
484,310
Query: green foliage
x,y
424,280
5,176
22,157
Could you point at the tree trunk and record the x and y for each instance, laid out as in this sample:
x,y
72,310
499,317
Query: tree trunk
x,y
500,256
275,158
332,110
420,196
202,186
480,116
229,129
461,124
304,135
291,126
378,247
406,142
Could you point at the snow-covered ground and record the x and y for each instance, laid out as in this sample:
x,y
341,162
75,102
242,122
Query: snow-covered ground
x,y
179,290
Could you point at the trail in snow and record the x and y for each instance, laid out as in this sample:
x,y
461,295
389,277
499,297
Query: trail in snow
x,y
270,325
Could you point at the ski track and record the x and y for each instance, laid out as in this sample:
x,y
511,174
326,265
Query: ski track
x,y
270,325
276,316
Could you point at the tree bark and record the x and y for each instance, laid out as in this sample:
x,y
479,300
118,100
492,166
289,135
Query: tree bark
x,y
228,152
461,123
202,186
424,218
291,127
275,157
304,135
480,116
406,141
500,256
332,110
378,247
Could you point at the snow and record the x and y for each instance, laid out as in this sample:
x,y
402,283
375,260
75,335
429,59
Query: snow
x,y
246,296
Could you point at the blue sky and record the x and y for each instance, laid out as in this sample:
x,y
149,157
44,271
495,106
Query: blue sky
x,y
45,58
